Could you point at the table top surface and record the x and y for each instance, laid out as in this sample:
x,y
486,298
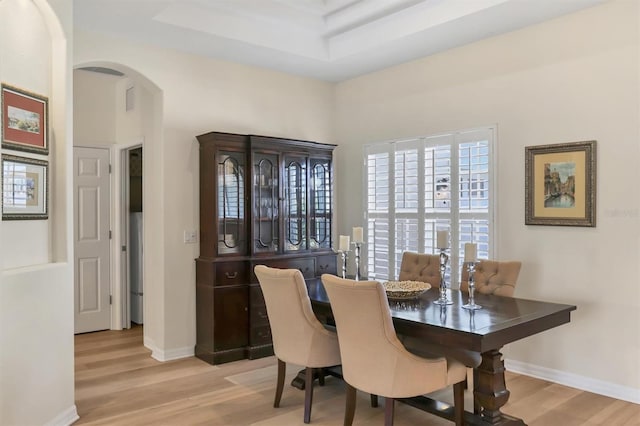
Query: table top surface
x,y
501,319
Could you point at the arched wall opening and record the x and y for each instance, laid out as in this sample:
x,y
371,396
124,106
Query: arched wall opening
x,y
144,130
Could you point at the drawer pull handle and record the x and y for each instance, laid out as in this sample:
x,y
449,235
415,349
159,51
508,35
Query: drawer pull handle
x,y
231,275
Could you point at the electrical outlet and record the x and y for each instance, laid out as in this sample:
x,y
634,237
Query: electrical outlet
x,y
190,237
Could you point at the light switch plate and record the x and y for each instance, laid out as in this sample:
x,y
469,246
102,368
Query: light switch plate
x,y
190,237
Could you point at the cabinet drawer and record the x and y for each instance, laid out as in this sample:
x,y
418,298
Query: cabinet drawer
x,y
258,316
305,265
326,265
260,335
231,273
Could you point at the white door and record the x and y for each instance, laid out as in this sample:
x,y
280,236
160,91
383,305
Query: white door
x,y
91,239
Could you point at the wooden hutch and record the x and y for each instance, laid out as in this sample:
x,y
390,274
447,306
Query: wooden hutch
x,y
263,200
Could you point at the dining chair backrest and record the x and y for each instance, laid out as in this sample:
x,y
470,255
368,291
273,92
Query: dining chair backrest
x,y
297,334
373,358
420,267
493,277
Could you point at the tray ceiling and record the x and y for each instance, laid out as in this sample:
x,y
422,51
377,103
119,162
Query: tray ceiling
x,y
331,40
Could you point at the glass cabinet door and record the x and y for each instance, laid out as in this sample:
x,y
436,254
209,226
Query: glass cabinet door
x,y
295,204
266,215
231,203
320,203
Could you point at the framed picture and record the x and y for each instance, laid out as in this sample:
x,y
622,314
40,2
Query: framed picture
x,y
560,184
25,121
25,192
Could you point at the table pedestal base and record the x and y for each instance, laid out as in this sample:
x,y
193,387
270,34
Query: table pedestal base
x,y
319,373
489,373
490,391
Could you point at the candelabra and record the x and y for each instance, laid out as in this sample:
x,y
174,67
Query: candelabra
x,y
343,255
443,300
471,266
357,254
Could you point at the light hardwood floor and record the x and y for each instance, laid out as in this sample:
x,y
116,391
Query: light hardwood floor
x,y
118,383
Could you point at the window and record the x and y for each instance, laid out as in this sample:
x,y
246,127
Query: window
x,y
418,186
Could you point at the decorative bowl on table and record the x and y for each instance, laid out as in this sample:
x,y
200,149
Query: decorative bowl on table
x,y
402,290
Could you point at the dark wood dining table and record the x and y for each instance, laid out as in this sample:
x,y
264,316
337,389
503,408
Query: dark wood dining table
x,y
501,320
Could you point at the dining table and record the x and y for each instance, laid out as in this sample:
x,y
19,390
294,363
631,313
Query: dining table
x,y
502,320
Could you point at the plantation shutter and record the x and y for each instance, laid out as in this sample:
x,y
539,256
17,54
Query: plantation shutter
x,y
418,186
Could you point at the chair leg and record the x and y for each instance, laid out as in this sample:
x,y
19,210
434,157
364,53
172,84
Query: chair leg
x,y
282,369
350,406
388,411
458,402
374,400
476,404
321,373
308,393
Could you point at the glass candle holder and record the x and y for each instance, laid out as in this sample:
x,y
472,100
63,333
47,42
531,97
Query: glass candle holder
x,y
471,267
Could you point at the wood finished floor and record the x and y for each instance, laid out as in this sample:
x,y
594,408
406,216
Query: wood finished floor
x,y
118,383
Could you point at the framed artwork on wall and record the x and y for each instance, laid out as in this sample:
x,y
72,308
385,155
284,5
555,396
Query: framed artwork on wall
x,y
560,184
25,188
25,120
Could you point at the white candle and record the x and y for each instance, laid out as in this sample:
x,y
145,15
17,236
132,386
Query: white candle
x,y
443,239
358,235
470,252
344,243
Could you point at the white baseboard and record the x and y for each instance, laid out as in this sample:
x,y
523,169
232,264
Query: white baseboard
x,y
170,354
588,384
66,418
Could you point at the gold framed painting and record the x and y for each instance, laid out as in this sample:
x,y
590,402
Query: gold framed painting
x,y
560,184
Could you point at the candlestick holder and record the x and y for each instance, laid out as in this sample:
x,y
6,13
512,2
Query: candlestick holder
x,y
443,314
471,267
443,300
472,319
344,255
357,254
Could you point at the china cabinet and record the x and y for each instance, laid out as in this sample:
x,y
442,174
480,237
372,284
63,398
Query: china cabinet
x,y
263,200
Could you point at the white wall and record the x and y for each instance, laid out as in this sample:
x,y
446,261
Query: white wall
x,y
575,78
36,294
191,95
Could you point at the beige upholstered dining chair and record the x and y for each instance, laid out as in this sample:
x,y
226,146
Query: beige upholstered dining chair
x,y
493,277
298,336
374,360
420,267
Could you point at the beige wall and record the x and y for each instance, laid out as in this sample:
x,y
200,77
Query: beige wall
x,y
94,108
189,96
571,79
30,72
575,78
36,284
